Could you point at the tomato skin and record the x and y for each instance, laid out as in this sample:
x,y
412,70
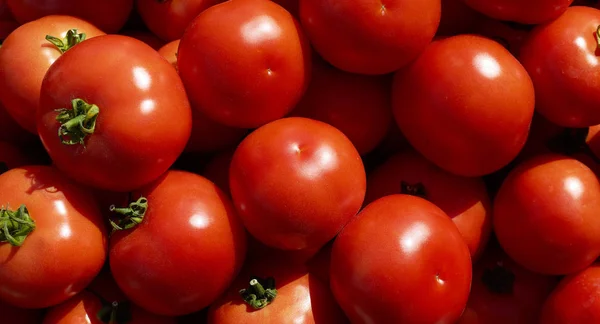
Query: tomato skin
x,y
169,52
11,314
296,182
464,200
401,260
250,71
108,15
169,19
460,123
524,12
558,56
25,57
575,299
301,298
144,121
504,292
205,241
358,105
348,34
50,266
593,140
554,200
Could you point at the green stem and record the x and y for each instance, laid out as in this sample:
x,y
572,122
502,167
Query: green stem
x,y
598,36
114,313
77,123
260,293
72,38
15,225
132,215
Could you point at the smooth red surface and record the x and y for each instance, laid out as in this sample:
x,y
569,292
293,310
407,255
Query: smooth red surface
x,y
525,12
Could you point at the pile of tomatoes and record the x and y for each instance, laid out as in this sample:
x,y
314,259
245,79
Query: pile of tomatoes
x,y
299,161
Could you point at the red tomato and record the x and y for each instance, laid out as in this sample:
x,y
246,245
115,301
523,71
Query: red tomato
x,y
67,246
11,314
545,215
504,292
575,299
300,298
144,118
511,35
108,15
561,58
457,18
86,307
460,123
26,56
593,140
296,182
168,19
369,36
169,52
249,71
203,239
465,200
358,105
525,12
401,260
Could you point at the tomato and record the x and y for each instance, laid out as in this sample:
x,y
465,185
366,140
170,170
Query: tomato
x,y
193,232
511,35
65,249
143,121
465,200
108,15
575,299
249,71
460,123
561,58
504,292
26,56
300,298
349,34
358,105
11,314
169,52
525,12
545,215
593,140
401,260
457,18
168,19
296,182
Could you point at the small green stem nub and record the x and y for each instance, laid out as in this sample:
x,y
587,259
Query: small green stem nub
x,y
73,38
15,225
260,293
114,313
598,36
132,215
77,123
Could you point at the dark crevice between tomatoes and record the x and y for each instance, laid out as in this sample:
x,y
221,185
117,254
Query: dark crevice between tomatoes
x,y
498,280
3,167
113,312
417,189
71,39
15,225
132,215
260,292
77,123
572,141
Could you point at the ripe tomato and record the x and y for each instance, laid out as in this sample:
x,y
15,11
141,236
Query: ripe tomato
x,y
465,200
108,15
26,56
348,34
358,105
300,298
143,121
504,292
249,71
525,12
575,299
169,52
401,260
11,314
168,19
593,140
561,58
193,232
86,307
67,246
296,182
545,215
460,123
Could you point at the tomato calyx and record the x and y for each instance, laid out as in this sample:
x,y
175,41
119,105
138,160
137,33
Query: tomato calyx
x,y
132,215
260,293
114,313
597,34
498,280
15,225
77,123
71,39
413,189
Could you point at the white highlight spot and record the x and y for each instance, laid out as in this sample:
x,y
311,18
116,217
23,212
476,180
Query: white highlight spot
x,y
199,220
147,106
414,237
574,187
487,66
142,78
260,29
65,231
